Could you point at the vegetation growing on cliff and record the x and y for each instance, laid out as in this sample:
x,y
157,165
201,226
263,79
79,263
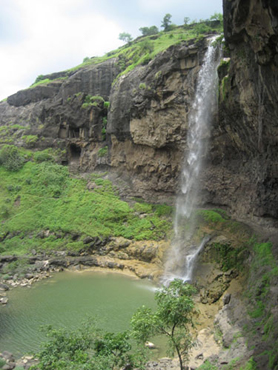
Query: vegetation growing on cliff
x,y
135,51
43,196
263,301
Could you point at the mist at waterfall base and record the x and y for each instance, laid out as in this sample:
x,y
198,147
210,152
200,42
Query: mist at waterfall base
x,y
183,255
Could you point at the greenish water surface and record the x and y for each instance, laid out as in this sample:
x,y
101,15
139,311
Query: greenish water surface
x,y
66,300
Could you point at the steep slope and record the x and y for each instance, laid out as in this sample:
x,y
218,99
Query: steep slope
x,y
133,122
142,134
243,156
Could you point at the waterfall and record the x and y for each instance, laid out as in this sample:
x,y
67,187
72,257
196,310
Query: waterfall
x,y
181,260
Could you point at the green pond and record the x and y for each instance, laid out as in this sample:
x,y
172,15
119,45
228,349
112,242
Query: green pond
x,y
65,300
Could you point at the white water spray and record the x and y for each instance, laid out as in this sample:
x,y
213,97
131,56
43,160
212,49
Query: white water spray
x,y
182,259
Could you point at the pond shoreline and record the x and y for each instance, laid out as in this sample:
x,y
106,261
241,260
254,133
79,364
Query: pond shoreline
x,y
140,259
48,266
51,294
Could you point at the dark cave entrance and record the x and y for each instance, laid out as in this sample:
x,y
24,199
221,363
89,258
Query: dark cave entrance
x,y
75,152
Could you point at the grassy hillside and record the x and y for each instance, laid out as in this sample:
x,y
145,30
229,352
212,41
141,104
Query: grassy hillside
x,y
42,196
145,48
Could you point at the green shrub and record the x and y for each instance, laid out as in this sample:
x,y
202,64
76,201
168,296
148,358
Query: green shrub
x,y
157,75
147,31
142,86
207,365
2,362
250,365
30,139
201,28
229,257
209,216
89,347
11,158
103,151
142,207
163,210
43,156
92,101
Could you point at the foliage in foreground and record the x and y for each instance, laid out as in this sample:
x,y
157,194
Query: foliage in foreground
x,y
89,348
173,319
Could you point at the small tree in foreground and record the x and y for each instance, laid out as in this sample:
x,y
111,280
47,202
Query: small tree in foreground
x,y
173,318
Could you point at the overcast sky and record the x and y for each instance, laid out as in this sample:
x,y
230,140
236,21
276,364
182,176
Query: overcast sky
x,y
45,36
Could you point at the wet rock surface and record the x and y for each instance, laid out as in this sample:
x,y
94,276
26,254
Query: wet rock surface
x,y
26,362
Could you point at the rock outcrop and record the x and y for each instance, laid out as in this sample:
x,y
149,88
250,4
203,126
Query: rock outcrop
x,y
243,160
145,128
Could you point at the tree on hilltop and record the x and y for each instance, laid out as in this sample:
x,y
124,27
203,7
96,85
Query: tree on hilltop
x,y
125,37
147,31
166,22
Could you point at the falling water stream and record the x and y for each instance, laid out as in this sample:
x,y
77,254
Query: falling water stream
x,y
182,258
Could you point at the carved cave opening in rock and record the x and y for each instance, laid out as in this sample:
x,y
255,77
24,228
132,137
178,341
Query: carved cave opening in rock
x,y
74,133
63,132
75,152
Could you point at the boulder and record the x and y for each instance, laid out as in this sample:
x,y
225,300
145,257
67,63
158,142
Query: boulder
x,y
8,259
4,287
4,300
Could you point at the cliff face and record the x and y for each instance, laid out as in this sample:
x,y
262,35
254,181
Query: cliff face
x,y
146,123
145,127
243,171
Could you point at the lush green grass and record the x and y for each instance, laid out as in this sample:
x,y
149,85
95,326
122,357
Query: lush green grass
x,y
46,81
42,196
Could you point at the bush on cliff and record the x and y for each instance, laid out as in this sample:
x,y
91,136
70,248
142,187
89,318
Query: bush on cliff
x,y
11,158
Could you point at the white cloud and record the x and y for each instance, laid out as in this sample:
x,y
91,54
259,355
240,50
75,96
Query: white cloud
x,y
45,36
159,5
58,34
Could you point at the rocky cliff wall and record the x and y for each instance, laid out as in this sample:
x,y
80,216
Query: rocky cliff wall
x,y
142,137
243,160
146,123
